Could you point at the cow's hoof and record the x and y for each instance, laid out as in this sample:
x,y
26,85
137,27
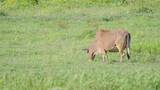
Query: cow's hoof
x,y
105,62
121,61
89,60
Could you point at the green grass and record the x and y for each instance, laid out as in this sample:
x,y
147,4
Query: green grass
x,y
41,50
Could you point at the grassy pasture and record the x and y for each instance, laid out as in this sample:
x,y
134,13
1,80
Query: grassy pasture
x,y
40,47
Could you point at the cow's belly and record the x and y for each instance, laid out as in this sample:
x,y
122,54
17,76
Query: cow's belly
x,y
109,46
114,49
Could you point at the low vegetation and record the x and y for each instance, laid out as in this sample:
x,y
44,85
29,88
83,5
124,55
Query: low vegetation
x,y
41,42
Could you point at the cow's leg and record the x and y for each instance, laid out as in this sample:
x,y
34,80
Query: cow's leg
x,y
107,57
122,54
103,56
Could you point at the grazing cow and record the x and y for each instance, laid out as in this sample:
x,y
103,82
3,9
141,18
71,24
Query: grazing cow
x,y
110,41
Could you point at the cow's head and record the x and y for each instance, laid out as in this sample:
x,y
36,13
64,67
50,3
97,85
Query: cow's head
x,y
91,53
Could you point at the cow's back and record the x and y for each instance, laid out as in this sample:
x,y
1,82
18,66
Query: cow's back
x,y
107,39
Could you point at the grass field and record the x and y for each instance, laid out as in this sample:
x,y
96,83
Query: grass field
x,y
40,48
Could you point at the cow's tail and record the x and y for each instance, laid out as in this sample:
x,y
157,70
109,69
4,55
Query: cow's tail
x,y
128,41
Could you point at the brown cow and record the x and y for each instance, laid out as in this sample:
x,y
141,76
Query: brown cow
x,y
110,41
